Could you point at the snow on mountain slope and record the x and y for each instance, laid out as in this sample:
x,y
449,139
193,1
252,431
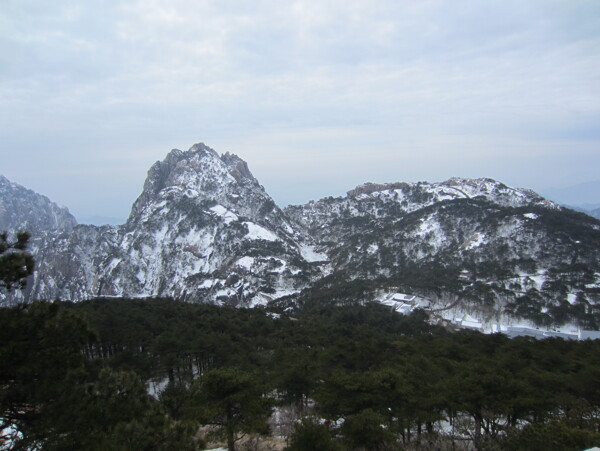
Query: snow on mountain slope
x,y
425,221
423,236
24,209
375,200
198,215
204,230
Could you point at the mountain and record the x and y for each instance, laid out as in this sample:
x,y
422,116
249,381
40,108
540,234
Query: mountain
x,y
24,209
495,248
204,230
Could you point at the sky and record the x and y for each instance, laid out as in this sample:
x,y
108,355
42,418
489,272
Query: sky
x,y
317,96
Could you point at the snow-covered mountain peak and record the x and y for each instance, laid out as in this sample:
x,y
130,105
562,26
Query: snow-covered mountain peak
x,y
391,201
200,168
469,181
497,192
420,194
370,187
203,228
24,209
201,147
238,168
197,178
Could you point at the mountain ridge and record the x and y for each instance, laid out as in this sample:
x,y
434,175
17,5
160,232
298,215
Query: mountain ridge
x,y
18,205
204,230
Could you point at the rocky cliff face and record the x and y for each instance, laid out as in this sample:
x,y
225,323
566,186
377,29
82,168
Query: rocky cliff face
x,y
24,209
204,230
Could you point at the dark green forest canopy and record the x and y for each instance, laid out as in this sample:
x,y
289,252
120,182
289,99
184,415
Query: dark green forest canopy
x,y
15,263
306,353
363,363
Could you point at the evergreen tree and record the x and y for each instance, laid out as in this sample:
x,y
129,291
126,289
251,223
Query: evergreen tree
x,y
15,264
231,400
42,362
365,431
309,435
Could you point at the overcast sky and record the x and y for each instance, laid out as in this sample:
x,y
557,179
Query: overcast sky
x,y
317,96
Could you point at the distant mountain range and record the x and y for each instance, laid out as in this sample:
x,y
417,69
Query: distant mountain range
x,y
205,230
583,197
587,209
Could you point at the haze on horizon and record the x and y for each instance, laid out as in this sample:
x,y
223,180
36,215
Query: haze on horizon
x,y
317,97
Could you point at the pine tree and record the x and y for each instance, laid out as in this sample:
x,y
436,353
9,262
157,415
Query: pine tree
x,y
232,400
15,264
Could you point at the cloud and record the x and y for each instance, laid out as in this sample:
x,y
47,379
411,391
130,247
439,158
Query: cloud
x,y
358,85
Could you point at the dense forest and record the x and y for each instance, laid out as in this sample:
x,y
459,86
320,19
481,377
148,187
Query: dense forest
x,y
131,374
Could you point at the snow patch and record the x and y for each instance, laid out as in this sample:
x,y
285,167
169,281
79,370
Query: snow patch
x,y
372,249
430,230
311,255
288,228
113,264
476,240
531,216
155,387
259,300
245,262
208,283
539,280
159,236
281,292
256,232
160,205
221,211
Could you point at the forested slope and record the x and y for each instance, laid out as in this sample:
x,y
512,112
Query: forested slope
x,y
73,375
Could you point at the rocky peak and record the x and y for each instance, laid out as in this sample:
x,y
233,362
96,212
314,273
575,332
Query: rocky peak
x,y
179,164
204,230
497,192
190,183
203,148
456,187
196,173
369,188
24,209
238,168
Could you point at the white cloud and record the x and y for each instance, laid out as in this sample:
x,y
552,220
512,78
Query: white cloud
x,y
367,85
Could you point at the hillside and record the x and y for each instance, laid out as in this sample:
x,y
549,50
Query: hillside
x,y
204,230
133,374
